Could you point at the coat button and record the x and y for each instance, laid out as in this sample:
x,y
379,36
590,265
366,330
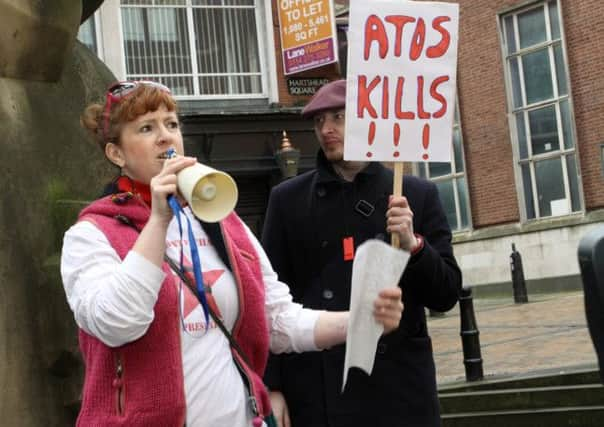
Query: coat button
x,y
327,294
324,243
321,191
381,348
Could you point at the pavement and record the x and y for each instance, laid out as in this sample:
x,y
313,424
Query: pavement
x,y
547,333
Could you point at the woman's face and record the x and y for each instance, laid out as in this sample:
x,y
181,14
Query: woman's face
x,y
144,142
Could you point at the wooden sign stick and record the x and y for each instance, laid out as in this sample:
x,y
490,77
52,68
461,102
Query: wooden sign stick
x,y
397,190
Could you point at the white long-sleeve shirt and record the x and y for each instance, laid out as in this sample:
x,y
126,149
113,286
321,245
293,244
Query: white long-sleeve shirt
x,y
113,300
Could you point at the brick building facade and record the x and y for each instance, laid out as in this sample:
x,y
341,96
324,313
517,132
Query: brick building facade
x,y
492,143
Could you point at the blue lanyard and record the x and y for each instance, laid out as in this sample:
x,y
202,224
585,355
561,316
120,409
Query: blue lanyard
x,y
201,296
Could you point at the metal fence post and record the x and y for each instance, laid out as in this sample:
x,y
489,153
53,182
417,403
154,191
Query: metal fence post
x,y
518,282
470,341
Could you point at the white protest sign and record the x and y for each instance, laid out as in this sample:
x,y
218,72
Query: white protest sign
x,y
400,98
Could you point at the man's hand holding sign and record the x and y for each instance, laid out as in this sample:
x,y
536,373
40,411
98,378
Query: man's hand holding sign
x,y
400,103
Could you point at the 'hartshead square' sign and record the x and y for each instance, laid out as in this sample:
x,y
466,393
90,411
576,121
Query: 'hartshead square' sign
x,y
307,86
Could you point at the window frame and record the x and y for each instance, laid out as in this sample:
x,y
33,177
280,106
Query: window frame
x,y
264,40
97,34
453,176
563,152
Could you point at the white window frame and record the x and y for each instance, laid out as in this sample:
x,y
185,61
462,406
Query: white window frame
x,y
110,16
97,34
562,153
422,168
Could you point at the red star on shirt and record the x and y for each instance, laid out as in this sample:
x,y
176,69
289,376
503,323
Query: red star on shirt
x,y
209,279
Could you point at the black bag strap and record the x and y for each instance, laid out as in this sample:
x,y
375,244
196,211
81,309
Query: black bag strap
x,y
214,233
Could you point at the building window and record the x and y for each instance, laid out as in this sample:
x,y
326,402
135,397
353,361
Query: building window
x,y
541,119
198,48
450,178
87,34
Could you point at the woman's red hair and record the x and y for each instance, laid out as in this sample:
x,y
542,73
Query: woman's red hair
x,y
142,99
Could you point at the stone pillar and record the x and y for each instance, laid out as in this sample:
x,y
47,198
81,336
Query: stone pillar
x,y
50,168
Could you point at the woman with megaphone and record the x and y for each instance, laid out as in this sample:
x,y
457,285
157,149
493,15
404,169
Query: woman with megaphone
x,y
177,313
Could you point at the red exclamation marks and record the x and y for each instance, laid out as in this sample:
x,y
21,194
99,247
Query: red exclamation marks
x,y
426,140
397,138
371,137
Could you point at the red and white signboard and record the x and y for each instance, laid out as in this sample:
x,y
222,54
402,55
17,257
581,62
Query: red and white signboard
x,y
402,61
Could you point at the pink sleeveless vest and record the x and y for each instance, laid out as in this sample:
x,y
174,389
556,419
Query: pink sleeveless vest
x,y
140,384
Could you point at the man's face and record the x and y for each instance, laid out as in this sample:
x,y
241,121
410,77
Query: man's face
x,y
329,128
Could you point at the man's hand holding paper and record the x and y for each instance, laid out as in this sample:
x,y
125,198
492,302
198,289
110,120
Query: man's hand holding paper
x,y
376,271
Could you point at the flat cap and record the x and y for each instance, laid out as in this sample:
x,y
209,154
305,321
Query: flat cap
x,y
329,97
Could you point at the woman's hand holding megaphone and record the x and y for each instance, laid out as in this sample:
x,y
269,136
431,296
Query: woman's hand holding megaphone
x,y
165,184
151,242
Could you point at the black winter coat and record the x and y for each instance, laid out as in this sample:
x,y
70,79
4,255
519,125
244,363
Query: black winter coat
x,y
307,219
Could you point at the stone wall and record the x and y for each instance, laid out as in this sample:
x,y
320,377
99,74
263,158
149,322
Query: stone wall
x,y
50,168
549,252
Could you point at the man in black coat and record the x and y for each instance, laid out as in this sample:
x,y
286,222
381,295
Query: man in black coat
x,y
312,224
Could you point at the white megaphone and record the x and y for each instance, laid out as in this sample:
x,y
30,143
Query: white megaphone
x,y
211,194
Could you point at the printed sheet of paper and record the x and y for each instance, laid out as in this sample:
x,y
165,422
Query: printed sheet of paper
x,y
376,266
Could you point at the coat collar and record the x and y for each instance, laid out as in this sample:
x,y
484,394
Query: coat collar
x,y
326,173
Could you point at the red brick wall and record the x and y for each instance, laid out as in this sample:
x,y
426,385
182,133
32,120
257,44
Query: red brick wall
x,y
483,104
585,40
482,98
